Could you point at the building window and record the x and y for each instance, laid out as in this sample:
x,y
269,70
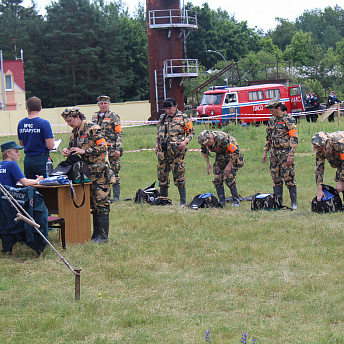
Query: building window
x,y
9,82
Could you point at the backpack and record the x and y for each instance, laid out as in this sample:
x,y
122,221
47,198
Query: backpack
x,y
330,203
74,168
265,202
207,200
149,194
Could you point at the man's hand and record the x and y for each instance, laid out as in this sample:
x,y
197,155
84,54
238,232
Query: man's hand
x,y
265,161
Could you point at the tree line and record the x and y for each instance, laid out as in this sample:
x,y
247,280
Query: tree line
x,y
83,48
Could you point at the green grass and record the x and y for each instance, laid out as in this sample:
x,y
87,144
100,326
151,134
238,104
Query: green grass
x,y
169,274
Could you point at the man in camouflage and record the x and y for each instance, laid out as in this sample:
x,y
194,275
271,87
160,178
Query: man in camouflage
x,y
227,161
175,131
282,141
110,124
87,140
329,146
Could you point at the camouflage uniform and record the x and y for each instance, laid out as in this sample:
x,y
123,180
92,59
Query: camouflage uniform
x,y
89,137
111,127
334,153
281,140
227,150
172,130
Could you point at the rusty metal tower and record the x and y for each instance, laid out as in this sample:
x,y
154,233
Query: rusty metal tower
x,y
167,28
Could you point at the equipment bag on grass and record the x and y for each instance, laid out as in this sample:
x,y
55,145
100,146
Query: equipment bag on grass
x,y
330,203
207,200
265,202
149,194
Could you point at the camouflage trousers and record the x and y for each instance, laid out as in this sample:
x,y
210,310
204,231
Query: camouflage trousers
x,y
115,165
280,171
168,164
220,177
100,193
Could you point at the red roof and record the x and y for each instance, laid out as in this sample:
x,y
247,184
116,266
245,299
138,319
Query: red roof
x,y
17,68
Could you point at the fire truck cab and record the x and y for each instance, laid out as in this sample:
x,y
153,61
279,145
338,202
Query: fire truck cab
x,y
221,104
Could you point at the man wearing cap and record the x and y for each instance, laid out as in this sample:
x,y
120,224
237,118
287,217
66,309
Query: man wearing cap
x,y
110,124
282,141
87,140
35,134
331,100
228,160
174,133
329,146
10,172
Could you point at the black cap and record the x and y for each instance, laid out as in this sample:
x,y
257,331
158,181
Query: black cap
x,y
10,145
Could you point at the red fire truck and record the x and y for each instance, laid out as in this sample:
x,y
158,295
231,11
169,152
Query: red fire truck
x,y
222,104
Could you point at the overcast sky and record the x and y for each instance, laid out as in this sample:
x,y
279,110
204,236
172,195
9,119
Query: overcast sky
x,y
260,14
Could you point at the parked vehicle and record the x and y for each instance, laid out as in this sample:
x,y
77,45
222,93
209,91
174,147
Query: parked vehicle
x,y
222,104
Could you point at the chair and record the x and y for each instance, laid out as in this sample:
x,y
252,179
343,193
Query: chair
x,y
58,222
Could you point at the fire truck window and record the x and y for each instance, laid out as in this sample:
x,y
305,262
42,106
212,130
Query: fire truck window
x,y
230,98
212,99
295,91
270,94
255,95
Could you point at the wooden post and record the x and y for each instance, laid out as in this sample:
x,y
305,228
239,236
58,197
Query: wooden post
x,y
77,284
338,113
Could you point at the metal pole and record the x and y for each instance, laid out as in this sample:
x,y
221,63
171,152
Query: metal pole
x,y
213,51
3,81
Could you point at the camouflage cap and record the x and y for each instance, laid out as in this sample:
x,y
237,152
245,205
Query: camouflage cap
x,y
320,138
204,137
273,103
70,112
103,99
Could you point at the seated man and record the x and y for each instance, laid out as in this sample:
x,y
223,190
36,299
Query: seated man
x,y
10,172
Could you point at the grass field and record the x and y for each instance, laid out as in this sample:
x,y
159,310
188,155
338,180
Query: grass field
x,y
169,274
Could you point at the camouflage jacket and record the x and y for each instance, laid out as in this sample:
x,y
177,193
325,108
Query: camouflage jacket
x,y
110,124
281,134
90,137
335,156
174,129
224,144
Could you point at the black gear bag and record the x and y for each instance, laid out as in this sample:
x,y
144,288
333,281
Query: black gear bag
x,y
207,200
332,201
265,202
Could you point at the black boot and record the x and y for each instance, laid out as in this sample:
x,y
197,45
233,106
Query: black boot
x,y
164,191
293,197
103,228
221,195
182,194
95,228
116,188
235,195
278,190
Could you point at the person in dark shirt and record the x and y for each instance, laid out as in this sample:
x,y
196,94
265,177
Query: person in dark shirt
x,y
10,172
35,134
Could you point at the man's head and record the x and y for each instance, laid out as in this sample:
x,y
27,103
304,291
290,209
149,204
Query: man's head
x,y
34,104
319,139
275,106
10,149
103,103
170,105
205,138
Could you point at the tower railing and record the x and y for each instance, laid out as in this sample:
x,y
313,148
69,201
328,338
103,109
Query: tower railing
x,y
169,18
180,68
